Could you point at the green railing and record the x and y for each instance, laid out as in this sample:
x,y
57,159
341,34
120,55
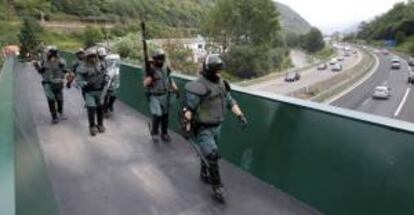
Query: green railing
x,y
34,192
7,184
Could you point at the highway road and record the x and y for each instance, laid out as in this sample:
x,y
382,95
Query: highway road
x,y
399,106
309,77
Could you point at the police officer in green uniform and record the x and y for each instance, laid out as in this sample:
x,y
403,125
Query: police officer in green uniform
x,y
91,78
159,86
206,101
53,72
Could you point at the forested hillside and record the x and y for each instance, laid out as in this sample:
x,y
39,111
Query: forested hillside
x,y
185,13
397,24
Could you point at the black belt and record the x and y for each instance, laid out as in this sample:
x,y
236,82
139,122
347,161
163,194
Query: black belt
x,y
158,94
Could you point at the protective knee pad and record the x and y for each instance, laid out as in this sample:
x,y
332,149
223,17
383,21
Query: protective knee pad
x,y
214,156
213,169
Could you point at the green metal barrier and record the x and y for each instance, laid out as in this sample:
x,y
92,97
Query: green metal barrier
x,y
34,192
338,161
7,195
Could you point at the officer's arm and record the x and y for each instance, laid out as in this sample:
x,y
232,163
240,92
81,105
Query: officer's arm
x,y
147,81
235,108
192,102
233,105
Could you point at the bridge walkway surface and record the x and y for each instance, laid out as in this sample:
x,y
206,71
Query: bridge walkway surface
x,y
124,172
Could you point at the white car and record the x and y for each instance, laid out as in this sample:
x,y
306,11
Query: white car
x,y
337,67
395,63
341,58
382,92
333,61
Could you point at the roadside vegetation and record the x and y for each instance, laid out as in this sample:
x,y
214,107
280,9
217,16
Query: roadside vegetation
x,y
250,38
395,25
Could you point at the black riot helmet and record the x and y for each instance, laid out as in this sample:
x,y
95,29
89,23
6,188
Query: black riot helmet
x,y
213,64
91,56
159,57
52,52
80,54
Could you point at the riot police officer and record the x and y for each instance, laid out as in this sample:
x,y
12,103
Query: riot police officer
x,y
91,78
53,71
205,104
159,87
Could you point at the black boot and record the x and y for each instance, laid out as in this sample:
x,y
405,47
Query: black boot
x,y
60,109
204,176
215,179
111,103
91,119
52,109
100,115
164,128
155,127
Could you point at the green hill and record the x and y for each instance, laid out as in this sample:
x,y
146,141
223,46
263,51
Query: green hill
x,y
397,24
291,21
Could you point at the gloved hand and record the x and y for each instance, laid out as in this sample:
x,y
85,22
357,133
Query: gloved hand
x,y
177,94
243,121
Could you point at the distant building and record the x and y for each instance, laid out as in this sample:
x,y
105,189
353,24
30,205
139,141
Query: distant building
x,y
197,45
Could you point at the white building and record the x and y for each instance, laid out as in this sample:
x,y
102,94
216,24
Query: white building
x,y
197,45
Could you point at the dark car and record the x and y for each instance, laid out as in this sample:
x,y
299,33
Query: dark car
x,y
292,77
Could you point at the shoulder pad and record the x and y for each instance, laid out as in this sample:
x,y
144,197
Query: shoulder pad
x,y
227,85
196,88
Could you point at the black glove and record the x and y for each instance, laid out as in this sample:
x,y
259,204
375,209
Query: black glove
x,y
177,94
243,121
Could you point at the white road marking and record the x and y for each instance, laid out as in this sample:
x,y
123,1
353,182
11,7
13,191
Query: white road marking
x,y
365,102
398,111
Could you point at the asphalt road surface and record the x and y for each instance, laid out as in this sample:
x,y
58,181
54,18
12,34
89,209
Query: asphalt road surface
x,y
399,106
122,172
309,77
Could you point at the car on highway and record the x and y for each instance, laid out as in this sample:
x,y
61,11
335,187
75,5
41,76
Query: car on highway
x,y
411,62
292,77
333,61
395,63
382,92
322,67
341,58
385,52
337,67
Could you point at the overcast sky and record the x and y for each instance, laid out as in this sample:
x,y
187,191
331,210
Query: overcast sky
x,y
329,14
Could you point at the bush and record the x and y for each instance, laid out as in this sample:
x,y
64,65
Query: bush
x,y
248,62
92,35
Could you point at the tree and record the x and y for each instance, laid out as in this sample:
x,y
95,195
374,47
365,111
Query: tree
x,y
29,37
92,35
245,31
400,37
313,41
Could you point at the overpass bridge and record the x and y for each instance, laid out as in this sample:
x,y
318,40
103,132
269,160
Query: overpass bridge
x,y
296,157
